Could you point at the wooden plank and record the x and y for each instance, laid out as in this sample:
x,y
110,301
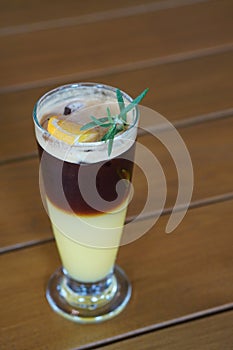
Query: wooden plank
x,y
172,276
15,13
183,89
23,216
67,51
210,146
177,90
212,333
212,162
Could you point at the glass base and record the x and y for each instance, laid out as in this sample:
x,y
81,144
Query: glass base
x,y
88,302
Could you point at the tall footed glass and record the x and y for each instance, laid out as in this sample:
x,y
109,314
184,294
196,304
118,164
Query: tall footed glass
x,y
85,190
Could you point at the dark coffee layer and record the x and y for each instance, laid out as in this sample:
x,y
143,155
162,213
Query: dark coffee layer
x,y
63,190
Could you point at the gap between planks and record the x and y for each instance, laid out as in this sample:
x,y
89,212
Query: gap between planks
x,y
194,204
185,123
159,326
97,16
127,67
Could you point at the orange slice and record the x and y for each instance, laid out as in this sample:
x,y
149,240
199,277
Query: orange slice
x,y
70,132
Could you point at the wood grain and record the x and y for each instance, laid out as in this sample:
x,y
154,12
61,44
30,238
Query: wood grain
x,y
182,50
56,52
23,216
15,13
212,164
172,276
212,333
177,90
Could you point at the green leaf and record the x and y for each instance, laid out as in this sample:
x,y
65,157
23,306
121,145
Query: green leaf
x,y
136,101
88,126
108,112
109,136
109,133
98,123
121,104
115,123
110,144
109,115
93,124
95,120
111,139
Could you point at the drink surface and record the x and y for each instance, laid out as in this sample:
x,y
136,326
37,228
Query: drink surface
x,y
55,129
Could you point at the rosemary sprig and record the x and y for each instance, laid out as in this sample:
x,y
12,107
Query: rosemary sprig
x,y
116,123
93,124
121,104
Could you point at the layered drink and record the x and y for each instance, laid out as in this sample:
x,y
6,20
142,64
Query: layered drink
x,y
85,171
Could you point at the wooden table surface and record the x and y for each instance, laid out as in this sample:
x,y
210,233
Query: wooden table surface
x,y
182,283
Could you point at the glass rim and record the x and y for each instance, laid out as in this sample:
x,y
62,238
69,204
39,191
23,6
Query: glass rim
x,y
77,85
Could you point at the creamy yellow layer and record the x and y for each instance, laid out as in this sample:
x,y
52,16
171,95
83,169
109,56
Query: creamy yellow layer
x,y
87,245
